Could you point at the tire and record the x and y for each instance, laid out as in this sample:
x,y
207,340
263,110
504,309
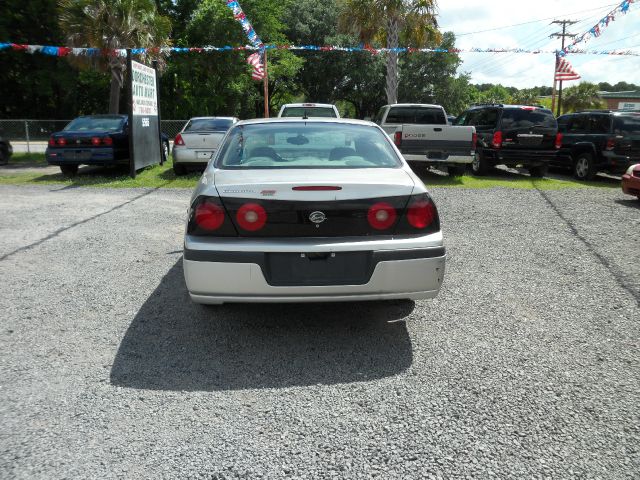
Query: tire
x,y
179,169
583,168
4,154
456,170
479,167
69,170
539,171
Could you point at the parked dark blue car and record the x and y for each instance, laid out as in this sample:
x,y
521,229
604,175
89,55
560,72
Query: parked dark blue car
x,y
93,140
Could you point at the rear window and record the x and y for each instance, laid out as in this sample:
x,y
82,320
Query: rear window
x,y
520,118
626,124
324,112
416,115
81,124
306,145
208,125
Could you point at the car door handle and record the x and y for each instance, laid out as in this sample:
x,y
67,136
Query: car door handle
x,y
437,129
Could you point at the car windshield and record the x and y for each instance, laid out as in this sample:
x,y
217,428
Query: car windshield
x,y
208,125
306,145
325,112
522,118
626,124
110,124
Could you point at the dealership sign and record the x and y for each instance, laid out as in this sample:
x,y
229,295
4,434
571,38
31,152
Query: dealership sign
x,y
144,120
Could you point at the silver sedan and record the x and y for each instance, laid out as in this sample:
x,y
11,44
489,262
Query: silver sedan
x,y
198,141
294,210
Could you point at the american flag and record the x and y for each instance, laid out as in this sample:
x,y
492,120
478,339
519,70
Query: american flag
x,y
255,61
565,71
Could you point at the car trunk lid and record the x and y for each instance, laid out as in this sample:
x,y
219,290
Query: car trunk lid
x,y
202,140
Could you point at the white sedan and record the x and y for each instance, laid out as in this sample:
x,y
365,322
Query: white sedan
x,y
294,210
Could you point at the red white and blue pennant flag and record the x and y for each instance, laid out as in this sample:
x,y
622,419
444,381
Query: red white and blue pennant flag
x,y
239,15
255,60
565,72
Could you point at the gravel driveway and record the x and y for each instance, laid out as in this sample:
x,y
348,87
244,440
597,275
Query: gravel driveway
x,y
526,365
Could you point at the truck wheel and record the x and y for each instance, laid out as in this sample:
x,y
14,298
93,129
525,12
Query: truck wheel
x,y
179,169
479,166
583,168
69,170
539,171
456,170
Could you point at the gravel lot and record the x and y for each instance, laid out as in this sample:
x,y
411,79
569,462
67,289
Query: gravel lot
x,y
526,365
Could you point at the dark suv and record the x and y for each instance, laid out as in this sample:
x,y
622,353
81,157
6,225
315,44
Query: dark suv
x,y
599,141
513,135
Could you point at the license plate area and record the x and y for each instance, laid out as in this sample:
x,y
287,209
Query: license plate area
x,y
529,139
77,154
203,155
318,268
436,156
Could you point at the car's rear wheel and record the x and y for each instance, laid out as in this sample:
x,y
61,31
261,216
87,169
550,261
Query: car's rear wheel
x,y
583,168
539,171
4,154
456,170
69,170
479,166
165,151
179,169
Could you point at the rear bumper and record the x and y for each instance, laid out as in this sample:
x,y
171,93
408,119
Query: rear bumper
x,y
219,276
450,160
191,156
615,163
81,156
520,157
631,185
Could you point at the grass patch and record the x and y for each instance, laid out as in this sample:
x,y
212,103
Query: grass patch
x,y
162,176
27,158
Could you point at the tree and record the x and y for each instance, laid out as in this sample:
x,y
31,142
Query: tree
x,y
390,21
581,97
113,24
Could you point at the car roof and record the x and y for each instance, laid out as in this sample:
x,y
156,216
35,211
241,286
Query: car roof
x,y
213,118
104,115
428,105
308,104
345,121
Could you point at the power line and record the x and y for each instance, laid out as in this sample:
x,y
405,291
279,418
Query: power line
x,y
531,21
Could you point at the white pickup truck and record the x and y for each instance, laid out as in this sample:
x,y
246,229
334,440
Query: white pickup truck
x,y
423,135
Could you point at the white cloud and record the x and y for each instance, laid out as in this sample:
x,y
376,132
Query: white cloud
x,y
527,70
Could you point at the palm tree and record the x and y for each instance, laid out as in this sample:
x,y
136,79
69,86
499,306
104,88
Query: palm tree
x,y
390,21
113,24
580,97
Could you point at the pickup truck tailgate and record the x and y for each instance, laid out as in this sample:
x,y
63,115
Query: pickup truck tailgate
x,y
435,142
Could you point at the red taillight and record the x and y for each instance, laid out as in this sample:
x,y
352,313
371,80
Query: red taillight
x,y
397,138
52,142
529,109
251,217
474,141
108,141
209,216
178,140
421,214
497,140
611,143
95,141
381,216
61,141
558,142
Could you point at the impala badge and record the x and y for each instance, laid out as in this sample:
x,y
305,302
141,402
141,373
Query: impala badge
x,y
317,217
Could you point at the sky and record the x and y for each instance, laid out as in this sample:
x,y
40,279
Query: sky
x,y
527,70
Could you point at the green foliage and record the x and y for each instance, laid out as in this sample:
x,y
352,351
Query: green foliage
x,y
580,97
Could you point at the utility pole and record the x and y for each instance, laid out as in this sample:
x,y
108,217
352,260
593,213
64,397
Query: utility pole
x,y
562,35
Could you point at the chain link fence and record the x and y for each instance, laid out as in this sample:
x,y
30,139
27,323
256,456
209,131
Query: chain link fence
x,y
32,135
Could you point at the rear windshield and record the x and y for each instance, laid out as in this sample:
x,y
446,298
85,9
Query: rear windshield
x,y
208,125
626,124
520,118
110,124
306,145
325,112
416,115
